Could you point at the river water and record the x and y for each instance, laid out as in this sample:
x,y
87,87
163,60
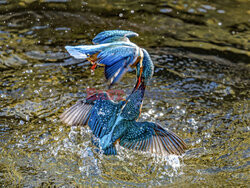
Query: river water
x,y
200,90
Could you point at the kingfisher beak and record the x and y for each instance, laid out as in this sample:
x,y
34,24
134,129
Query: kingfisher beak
x,y
139,84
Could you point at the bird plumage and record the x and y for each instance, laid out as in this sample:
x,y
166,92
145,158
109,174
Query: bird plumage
x,y
114,50
112,122
113,35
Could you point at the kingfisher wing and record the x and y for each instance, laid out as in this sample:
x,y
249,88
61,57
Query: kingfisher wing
x,y
151,137
84,51
117,61
96,111
110,150
116,57
112,36
79,113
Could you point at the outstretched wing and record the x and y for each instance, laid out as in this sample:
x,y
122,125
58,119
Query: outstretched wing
x,y
116,57
84,51
97,111
79,113
110,150
112,36
150,137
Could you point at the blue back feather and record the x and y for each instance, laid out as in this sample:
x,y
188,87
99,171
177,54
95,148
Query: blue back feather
x,y
102,116
112,36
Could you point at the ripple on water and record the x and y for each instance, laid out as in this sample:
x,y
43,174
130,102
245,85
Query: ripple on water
x,y
203,98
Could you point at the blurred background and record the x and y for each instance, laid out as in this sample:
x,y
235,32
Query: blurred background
x,y
200,90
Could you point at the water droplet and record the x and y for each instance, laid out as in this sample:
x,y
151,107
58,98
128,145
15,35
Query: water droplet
x,y
3,95
192,121
207,135
208,7
166,10
27,117
221,11
151,111
198,141
202,10
191,10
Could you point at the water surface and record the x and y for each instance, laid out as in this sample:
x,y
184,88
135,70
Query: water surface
x,y
200,90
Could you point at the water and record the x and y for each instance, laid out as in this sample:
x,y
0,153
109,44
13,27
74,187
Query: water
x,y
200,90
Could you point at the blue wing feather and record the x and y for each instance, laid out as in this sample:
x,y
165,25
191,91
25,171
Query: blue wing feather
x,y
111,70
113,35
102,114
117,56
114,54
117,59
112,47
78,114
116,78
74,52
110,151
97,111
82,51
150,137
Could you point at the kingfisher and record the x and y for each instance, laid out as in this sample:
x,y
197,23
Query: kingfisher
x,y
116,122
113,50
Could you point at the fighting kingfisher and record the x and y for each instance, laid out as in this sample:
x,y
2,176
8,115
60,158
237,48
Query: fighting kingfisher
x,y
114,50
113,122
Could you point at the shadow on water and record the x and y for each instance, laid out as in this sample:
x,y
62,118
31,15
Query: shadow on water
x,y
200,90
